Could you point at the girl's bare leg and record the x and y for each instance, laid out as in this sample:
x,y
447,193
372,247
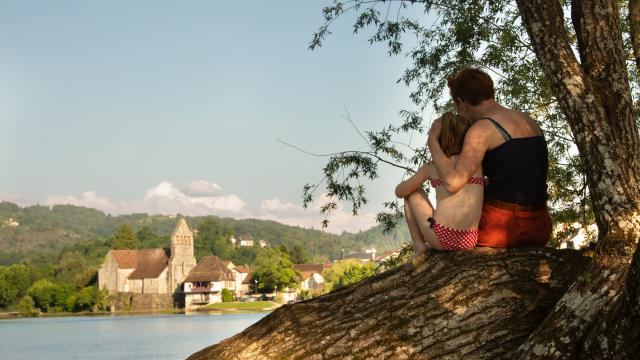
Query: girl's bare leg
x,y
419,246
421,209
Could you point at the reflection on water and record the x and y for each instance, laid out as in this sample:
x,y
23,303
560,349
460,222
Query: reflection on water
x,y
117,337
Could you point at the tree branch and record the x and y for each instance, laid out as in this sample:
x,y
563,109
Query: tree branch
x,y
367,153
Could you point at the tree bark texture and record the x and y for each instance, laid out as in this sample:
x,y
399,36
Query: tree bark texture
x,y
595,97
477,304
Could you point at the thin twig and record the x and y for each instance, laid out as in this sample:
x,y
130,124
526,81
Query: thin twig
x,y
348,118
367,153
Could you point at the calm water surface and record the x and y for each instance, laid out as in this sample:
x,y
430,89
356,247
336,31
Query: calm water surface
x,y
117,337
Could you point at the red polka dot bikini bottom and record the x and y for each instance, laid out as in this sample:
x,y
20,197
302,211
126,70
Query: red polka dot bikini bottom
x,y
454,239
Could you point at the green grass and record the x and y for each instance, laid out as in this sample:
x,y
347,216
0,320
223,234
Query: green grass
x,y
242,305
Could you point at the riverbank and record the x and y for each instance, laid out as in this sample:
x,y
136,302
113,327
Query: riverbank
x,y
235,307
17,315
222,308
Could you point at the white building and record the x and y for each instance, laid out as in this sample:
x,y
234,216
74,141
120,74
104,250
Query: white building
x,y
242,276
365,256
245,240
205,282
312,278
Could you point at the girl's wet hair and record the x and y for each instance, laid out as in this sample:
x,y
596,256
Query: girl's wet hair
x,y
451,138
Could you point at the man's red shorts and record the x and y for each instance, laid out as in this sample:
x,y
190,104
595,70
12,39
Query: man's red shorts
x,y
502,228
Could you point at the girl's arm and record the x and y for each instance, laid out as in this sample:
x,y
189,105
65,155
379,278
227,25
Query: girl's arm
x,y
414,182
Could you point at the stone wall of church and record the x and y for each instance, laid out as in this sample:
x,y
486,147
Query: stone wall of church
x,y
149,286
140,302
107,275
112,278
121,276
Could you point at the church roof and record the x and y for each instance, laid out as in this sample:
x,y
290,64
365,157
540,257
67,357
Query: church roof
x,y
210,268
181,228
126,259
151,263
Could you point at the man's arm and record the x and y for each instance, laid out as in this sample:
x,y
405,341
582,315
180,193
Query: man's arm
x,y
454,175
414,182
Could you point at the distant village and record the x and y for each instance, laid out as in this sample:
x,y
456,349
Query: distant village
x,y
172,276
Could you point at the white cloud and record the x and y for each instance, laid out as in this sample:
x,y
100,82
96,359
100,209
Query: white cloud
x,y
339,220
86,199
201,188
200,198
276,205
164,198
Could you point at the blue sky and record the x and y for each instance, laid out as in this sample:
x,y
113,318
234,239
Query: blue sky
x,y
165,106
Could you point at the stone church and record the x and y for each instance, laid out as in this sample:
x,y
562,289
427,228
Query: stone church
x,y
150,271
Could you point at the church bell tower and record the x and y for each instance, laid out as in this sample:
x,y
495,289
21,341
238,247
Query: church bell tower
x,y
182,259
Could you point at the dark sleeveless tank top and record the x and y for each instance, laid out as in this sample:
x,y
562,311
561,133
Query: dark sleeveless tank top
x,y
517,169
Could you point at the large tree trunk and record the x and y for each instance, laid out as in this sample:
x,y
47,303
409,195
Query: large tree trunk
x,y
592,317
480,303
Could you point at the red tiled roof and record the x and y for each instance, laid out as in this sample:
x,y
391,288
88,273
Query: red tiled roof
x,y
242,269
151,263
210,268
248,279
126,259
308,269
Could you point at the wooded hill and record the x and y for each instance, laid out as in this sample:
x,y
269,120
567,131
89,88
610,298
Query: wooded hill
x,y
45,232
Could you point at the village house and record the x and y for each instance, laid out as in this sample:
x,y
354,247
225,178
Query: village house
x,y
242,276
364,256
312,278
245,240
241,273
150,271
205,282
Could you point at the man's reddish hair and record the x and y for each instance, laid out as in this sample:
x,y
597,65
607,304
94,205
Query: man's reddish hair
x,y
471,85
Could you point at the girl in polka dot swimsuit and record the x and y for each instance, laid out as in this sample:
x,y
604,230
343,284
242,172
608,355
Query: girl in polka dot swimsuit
x,y
453,224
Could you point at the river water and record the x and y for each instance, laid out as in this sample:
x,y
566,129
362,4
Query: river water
x,y
154,337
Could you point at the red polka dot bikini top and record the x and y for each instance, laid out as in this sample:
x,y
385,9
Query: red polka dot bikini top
x,y
477,180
